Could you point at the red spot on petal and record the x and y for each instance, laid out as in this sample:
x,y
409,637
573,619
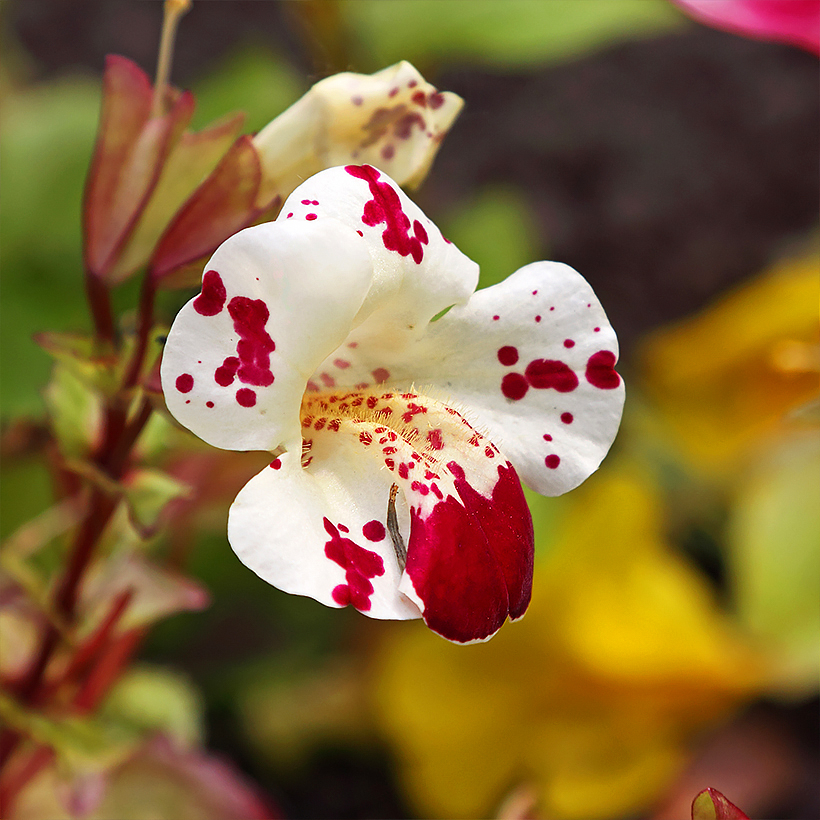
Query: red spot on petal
x,y
341,363
185,383
547,437
543,374
597,329
252,364
310,217
360,233
357,100
600,370
276,464
209,404
537,318
366,439
508,355
435,440
419,98
566,418
211,300
374,531
552,461
514,386
245,397
393,92
388,152
359,564
436,100
496,318
380,374
386,207
403,471
569,343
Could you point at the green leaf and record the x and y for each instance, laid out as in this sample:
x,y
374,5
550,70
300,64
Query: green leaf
x,y
774,561
153,699
76,411
507,33
147,492
82,744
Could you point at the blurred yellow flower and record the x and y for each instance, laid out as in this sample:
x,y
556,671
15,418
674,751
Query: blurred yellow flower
x,y
726,377
621,659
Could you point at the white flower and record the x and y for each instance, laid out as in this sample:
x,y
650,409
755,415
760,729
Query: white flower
x,y
313,338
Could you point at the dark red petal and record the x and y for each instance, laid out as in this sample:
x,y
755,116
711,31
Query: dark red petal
x,y
471,560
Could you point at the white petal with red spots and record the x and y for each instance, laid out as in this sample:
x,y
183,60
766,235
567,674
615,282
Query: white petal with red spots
x,y
298,323
274,299
319,526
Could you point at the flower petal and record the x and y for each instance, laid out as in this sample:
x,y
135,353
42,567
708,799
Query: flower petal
x,y
393,119
533,359
417,272
275,299
321,525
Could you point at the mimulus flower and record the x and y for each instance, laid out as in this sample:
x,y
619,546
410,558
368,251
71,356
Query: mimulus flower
x,y
397,434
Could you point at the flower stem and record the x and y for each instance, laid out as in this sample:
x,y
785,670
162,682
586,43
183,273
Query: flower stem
x,y
172,13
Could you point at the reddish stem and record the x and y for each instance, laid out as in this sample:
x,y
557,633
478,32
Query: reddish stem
x,y
99,300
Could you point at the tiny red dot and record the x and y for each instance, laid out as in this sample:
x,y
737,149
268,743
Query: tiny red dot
x,y
547,437
209,404
496,318
310,217
245,397
569,343
552,461
537,318
566,418
276,464
597,329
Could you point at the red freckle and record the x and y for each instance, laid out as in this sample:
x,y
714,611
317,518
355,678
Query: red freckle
x,y
359,565
552,461
537,318
343,528
374,531
389,463
327,380
566,418
252,366
420,488
310,217
535,293
209,404
412,84
456,470
514,386
320,423
366,439
289,215
360,233
508,355
185,383
380,374
212,298
386,207
597,329
436,491
600,371
388,451
488,451
435,439
187,401
357,100
547,437
341,363
543,374
569,343
334,425
388,152
393,92
307,421
306,202
421,234
403,471
589,304
372,401
436,100
312,386
446,240
419,98
352,344
552,308
245,397
496,318
275,464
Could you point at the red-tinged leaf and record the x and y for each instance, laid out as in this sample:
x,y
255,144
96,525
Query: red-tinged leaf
x,y
710,804
191,161
225,203
129,155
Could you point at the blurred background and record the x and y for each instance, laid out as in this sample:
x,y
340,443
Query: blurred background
x,y
672,640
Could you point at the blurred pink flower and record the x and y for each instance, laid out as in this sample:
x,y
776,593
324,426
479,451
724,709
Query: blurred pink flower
x,y
790,21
